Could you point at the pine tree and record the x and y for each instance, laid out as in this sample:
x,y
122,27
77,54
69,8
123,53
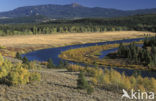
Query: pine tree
x,y
18,56
145,44
90,89
50,64
153,50
34,30
129,54
62,64
120,49
82,83
25,60
148,58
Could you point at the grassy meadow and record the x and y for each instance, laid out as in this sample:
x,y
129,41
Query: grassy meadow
x,y
25,43
68,38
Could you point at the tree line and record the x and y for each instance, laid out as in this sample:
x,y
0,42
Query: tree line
x,y
137,55
138,23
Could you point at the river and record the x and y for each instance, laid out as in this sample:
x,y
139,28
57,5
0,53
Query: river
x,y
53,53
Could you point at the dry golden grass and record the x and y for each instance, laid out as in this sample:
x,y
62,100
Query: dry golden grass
x,y
66,38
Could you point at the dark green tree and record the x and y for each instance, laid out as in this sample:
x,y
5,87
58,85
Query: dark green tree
x,y
153,50
120,50
148,58
18,56
50,64
62,64
90,89
82,83
25,60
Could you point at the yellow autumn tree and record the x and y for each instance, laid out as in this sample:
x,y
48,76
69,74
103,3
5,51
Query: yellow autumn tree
x,y
18,75
141,88
1,60
153,82
94,81
15,74
5,67
106,79
147,83
115,78
127,83
35,77
74,68
133,82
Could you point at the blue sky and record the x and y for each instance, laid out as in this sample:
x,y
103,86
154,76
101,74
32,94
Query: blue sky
x,y
6,5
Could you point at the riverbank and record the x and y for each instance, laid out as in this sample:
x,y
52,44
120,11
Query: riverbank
x,y
11,44
90,55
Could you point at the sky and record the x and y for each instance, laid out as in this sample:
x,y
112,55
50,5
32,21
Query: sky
x,y
6,5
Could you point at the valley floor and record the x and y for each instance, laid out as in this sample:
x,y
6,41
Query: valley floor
x,y
58,84
57,40
9,45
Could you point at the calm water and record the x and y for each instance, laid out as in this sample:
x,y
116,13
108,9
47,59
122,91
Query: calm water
x,y
45,54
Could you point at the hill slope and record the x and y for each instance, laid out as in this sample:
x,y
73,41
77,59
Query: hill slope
x,y
71,11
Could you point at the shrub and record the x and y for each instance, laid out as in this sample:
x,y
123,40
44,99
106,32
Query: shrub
x,y
90,71
2,47
35,76
32,65
15,74
74,68
5,67
94,81
18,75
153,82
1,60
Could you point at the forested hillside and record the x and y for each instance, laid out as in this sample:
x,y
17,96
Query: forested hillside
x,y
138,23
71,11
19,20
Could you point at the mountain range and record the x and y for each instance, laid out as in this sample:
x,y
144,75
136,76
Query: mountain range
x,y
69,11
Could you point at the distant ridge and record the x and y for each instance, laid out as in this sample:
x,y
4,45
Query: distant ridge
x,y
71,11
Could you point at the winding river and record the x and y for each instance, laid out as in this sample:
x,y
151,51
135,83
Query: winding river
x,y
45,54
